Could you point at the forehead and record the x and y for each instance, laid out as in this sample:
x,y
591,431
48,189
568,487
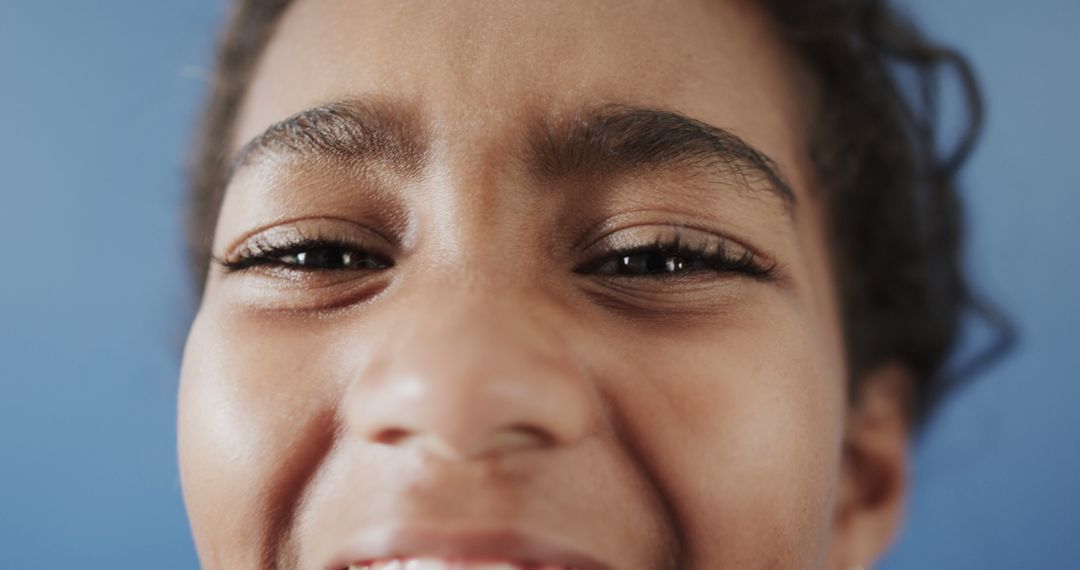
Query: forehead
x,y
483,67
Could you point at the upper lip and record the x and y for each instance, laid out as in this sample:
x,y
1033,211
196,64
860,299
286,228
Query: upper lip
x,y
407,542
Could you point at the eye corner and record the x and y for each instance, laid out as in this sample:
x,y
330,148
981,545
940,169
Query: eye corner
x,y
224,264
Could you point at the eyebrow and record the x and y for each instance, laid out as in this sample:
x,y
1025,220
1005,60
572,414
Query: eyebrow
x,y
616,139
351,132
605,140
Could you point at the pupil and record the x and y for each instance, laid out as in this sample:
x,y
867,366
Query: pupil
x,y
329,258
650,263
325,257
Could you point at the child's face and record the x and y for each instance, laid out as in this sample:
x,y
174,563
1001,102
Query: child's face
x,y
534,331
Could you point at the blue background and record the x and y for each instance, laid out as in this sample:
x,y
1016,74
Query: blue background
x,y
97,100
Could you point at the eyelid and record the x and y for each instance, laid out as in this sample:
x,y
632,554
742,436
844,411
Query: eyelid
x,y
311,227
323,231
649,235
675,238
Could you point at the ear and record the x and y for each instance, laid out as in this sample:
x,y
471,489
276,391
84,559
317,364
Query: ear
x,y
873,482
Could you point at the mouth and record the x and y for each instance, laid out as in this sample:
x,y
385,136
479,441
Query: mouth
x,y
448,564
416,549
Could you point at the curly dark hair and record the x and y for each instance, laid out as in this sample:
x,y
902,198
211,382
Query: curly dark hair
x,y
890,194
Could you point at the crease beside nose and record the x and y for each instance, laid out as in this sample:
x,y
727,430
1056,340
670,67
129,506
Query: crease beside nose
x,y
465,394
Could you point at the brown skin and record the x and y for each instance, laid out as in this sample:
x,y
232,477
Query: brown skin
x,y
481,383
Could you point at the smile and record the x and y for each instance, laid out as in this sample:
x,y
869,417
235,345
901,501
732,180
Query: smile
x,y
418,549
425,563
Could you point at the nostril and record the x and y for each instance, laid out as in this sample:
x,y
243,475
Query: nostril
x,y
510,439
526,434
391,436
466,445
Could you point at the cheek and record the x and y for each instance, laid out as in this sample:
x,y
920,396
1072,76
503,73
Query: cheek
x,y
743,422
255,418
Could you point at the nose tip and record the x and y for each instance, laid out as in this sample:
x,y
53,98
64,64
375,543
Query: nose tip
x,y
466,399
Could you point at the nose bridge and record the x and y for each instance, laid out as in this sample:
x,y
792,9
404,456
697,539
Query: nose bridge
x,y
471,374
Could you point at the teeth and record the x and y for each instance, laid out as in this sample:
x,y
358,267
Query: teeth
x,y
426,564
438,564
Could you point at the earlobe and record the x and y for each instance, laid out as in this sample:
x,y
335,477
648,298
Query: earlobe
x,y
873,482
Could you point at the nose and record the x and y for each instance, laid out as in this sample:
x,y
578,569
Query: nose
x,y
471,378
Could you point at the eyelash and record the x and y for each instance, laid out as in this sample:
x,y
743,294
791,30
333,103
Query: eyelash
x,y
263,253
676,255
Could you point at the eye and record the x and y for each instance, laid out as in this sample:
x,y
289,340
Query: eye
x,y
674,254
330,257
645,263
307,255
